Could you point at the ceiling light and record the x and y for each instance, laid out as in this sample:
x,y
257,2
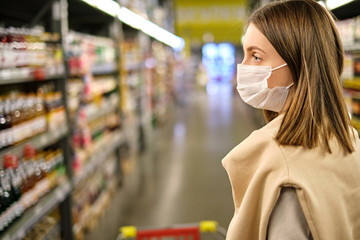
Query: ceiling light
x,y
130,18
332,4
138,22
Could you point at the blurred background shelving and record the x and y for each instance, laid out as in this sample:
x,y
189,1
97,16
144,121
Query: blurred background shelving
x,y
75,106
350,34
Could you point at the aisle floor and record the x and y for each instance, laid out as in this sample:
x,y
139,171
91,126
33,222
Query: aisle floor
x,y
182,178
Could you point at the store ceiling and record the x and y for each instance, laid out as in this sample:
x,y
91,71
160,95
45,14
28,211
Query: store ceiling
x,y
82,17
19,13
85,18
349,10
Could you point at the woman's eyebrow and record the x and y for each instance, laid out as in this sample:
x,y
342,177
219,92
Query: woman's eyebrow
x,y
251,48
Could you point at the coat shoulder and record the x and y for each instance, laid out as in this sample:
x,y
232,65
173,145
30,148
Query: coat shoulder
x,y
253,147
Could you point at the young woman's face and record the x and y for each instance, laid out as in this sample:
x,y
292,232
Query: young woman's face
x,y
259,52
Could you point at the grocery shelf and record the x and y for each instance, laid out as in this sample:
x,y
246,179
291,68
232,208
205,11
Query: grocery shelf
x,y
33,215
96,159
89,220
105,68
97,129
105,110
133,67
50,235
6,81
352,48
39,142
352,84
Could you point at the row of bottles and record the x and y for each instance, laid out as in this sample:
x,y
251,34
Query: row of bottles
x,y
88,89
21,116
29,53
23,182
90,138
24,115
86,52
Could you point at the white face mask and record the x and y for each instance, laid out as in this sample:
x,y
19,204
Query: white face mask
x,y
253,88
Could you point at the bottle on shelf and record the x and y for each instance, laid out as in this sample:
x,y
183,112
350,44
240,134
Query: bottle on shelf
x,y
4,127
2,210
40,166
7,198
59,159
11,164
16,118
29,164
23,174
8,123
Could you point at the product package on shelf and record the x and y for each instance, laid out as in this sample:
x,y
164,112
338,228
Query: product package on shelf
x,y
346,31
96,119
348,71
91,141
24,115
24,180
48,228
29,53
89,90
90,54
31,163
162,80
93,98
131,74
92,196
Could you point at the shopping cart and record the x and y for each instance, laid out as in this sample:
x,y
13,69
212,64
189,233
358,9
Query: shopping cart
x,y
205,230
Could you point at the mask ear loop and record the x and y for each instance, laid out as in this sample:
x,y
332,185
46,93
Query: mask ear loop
x,y
290,85
279,67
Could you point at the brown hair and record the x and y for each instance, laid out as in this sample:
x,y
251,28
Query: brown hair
x,y
305,36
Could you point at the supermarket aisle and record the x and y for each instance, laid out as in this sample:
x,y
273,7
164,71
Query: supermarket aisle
x,y
184,180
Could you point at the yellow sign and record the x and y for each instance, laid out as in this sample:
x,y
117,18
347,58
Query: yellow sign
x,y
210,21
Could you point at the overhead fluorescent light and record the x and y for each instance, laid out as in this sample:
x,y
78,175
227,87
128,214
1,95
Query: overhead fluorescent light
x,y
130,18
332,4
138,22
162,35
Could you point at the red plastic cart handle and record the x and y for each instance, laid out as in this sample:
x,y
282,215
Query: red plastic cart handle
x,y
187,233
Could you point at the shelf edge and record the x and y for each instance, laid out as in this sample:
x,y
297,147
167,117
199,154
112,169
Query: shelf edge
x,y
36,213
40,141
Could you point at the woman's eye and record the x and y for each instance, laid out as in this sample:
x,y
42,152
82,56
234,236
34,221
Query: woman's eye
x,y
257,59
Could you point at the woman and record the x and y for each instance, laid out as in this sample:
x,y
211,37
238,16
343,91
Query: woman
x,y
298,177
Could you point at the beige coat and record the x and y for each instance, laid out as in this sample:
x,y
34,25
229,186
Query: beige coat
x,y
327,185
